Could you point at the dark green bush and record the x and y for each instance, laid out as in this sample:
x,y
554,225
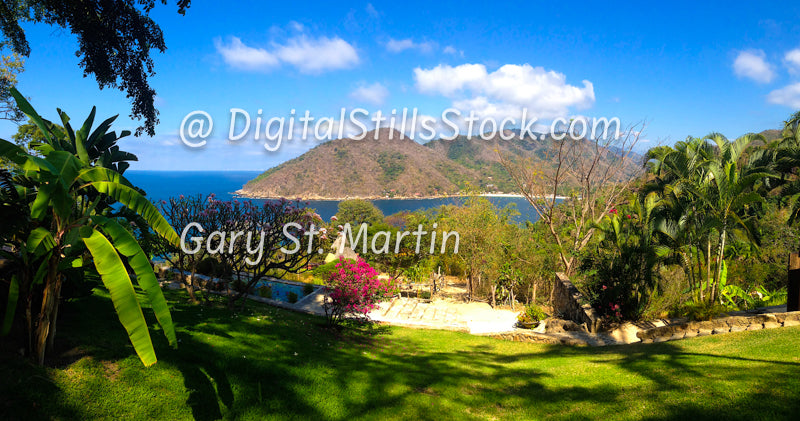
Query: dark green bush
x,y
265,291
292,297
699,310
308,289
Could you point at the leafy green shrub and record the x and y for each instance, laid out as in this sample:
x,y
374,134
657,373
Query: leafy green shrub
x,y
532,315
324,271
265,291
206,266
291,297
308,289
700,310
212,267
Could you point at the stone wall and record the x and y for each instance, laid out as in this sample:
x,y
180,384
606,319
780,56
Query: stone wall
x,y
718,326
567,304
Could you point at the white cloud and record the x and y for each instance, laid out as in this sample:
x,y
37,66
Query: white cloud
x,y
318,55
372,12
453,51
792,59
374,94
240,56
753,65
397,46
506,91
308,55
788,96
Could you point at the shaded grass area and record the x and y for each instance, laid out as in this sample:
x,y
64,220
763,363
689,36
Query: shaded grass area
x,y
268,363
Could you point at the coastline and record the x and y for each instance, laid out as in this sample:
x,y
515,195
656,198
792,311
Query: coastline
x,y
244,195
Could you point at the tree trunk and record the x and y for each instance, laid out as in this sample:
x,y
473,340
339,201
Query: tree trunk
x,y
720,259
47,314
469,287
51,336
29,323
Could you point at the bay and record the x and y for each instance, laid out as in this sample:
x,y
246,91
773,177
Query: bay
x,y
161,185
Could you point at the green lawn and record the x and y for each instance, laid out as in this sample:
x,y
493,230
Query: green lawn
x,y
267,363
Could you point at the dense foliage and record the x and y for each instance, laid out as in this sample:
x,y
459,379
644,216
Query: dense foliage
x,y
354,289
70,207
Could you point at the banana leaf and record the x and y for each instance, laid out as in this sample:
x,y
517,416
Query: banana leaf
x,y
116,279
139,204
127,245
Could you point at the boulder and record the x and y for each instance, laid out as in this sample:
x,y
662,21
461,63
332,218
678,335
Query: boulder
x,y
560,326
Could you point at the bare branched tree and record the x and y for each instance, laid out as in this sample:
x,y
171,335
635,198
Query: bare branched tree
x,y
582,180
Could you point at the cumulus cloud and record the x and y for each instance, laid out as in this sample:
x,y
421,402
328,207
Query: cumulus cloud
x,y
752,64
374,94
307,54
238,55
788,96
397,46
792,59
506,91
453,51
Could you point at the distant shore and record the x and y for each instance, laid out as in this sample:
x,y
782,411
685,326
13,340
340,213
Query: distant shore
x,y
245,195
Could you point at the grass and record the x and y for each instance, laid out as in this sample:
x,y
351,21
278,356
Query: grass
x,y
267,363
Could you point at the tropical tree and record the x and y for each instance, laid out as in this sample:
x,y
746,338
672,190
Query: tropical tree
x,y
708,194
114,40
586,177
67,194
358,211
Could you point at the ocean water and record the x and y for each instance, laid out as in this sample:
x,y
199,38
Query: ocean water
x,y
165,184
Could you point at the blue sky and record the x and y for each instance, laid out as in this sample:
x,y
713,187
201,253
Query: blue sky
x,y
686,69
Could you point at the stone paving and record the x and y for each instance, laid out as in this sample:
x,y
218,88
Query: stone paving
x,y
477,318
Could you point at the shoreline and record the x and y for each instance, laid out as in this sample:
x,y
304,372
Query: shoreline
x,y
241,194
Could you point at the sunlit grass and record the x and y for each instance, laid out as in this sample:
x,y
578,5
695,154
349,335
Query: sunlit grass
x,y
267,363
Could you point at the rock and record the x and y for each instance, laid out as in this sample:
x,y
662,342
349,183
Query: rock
x,y
705,332
793,315
737,323
626,334
679,334
791,322
739,328
755,326
561,326
347,252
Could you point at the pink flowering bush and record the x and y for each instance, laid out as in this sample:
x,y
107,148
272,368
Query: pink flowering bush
x,y
353,290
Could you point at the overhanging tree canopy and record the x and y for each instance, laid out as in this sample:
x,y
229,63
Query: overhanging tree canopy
x,y
114,42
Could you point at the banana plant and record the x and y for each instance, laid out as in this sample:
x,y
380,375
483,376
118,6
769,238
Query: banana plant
x,y
71,219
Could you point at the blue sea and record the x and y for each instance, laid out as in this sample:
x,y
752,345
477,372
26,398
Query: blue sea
x,y
165,184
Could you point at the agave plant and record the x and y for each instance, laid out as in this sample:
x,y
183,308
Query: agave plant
x,y
71,186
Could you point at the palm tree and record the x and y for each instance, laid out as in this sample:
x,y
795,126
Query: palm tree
x,y
707,192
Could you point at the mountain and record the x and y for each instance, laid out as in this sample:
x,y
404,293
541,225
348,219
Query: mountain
x,y
402,168
366,168
481,156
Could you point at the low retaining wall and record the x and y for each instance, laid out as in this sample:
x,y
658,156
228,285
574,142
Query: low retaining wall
x,y
567,304
718,326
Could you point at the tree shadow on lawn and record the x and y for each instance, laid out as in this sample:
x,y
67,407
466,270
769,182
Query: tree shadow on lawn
x,y
324,373
289,365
